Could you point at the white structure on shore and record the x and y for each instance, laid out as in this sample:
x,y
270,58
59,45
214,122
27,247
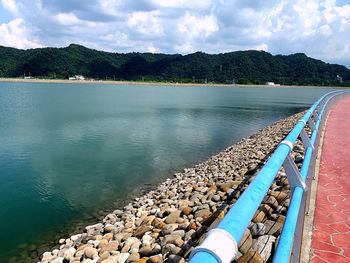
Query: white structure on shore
x,y
270,83
77,77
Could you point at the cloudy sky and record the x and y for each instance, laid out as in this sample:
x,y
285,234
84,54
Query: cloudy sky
x,y
321,29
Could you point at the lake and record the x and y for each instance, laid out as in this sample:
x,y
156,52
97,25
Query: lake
x,y
70,152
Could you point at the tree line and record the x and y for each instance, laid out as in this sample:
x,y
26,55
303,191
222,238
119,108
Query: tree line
x,y
241,67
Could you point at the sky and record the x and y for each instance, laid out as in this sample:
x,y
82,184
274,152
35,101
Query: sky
x,y
320,29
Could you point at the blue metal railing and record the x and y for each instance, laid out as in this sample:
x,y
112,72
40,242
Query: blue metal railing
x,y
221,243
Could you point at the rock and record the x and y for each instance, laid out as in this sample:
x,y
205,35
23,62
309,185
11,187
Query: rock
x,y
134,257
122,257
158,223
140,231
108,236
58,260
148,220
298,158
172,217
266,209
102,243
246,242
192,226
111,246
216,198
251,257
204,213
225,187
273,227
47,256
143,260
175,259
259,217
189,234
69,254
109,228
75,238
156,249
271,201
187,210
172,239
145,250
264,245
155,259
168,229
286,202
281,219
111,259
103,255
90,252
280,196
171,249
257,229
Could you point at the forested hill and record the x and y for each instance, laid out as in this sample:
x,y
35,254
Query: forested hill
x,y
243,67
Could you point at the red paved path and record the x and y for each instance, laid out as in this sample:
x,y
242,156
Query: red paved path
x,y
331,234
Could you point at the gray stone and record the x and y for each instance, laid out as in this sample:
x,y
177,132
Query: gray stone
x,y
271,201
172,217
69,254
257,229
140,231
251,257
90,252
58,260
168,229
47,256
273,227
134,257
145,250
204,213
246,242
122,257
264,246
175,259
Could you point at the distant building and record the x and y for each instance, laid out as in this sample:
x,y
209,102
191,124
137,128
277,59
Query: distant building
x,y
270,83
339,79
77,77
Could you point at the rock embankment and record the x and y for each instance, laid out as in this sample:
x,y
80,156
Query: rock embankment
x,y
165,224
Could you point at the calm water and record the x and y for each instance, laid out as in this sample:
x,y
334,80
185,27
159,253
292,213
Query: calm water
x,y
70,150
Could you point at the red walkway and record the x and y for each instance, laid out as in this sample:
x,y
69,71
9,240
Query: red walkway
x,y
331,234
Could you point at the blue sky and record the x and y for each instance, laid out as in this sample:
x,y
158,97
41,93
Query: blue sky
x,y
321,29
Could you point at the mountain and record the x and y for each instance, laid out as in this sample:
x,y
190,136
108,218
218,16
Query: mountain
x,y
244,67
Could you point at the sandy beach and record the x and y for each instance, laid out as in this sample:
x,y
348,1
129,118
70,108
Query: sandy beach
x,y
111,82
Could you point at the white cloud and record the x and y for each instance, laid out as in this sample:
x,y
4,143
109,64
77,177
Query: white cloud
x,y
198,27
11,6
326,30
185,48
15,34
188,4
66,19
146,23
263,47
319,28
152,49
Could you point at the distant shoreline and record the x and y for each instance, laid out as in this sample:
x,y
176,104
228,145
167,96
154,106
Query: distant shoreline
x,y
124,82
